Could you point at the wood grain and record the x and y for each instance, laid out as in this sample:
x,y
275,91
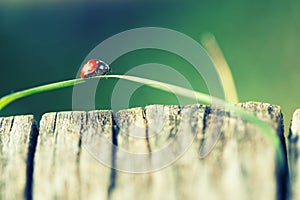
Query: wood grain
x,y
18,137
237,160
156,152
63,167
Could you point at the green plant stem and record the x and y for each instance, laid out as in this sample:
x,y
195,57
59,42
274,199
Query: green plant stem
x,y
4,101
211,45
200,97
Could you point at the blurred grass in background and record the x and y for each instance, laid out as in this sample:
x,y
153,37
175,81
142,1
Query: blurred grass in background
x,y
47,42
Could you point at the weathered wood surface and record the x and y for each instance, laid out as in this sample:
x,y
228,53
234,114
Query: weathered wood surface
x,y
294,152
156,152
242,164
18,137
63,168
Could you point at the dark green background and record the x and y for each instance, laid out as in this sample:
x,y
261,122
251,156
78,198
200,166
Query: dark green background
x,y
47,42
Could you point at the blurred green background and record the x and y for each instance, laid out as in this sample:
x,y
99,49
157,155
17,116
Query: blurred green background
x,y
47,42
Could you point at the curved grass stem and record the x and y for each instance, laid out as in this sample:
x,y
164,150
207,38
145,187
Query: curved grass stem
x,y
4,101
210,43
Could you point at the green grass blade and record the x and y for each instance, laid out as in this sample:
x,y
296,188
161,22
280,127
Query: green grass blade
x,y
210,43
4,101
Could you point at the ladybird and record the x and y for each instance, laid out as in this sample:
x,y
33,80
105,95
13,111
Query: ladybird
x,y
94,68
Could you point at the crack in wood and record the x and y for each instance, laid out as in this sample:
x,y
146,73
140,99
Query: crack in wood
x,y
10,128
12,123
33,137
1,120
54,123
78,155
144,114
113,172
207,112
282,172
83,124
55,140
174,118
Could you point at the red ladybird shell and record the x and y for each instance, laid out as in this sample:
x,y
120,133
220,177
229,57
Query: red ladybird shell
x,y
88,68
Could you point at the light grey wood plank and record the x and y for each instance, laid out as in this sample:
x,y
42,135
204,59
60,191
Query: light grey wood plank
x,y
17,144
66,165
